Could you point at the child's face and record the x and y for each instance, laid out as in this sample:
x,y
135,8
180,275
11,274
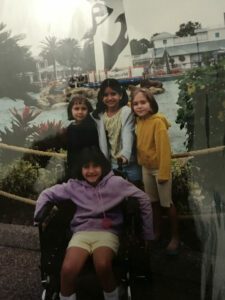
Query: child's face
x,y
111,99
141,105
92,173
79,112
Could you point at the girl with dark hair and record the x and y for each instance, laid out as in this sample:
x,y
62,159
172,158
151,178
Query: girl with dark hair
x,y
97,222
115,124
81,133
154,155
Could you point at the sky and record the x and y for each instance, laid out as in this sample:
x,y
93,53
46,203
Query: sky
x,y
163,15
40,18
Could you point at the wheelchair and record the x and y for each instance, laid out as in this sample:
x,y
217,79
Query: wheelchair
x,y
131,266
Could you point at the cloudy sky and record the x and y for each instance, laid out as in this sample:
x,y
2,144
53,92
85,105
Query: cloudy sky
x,y
163,15
39,18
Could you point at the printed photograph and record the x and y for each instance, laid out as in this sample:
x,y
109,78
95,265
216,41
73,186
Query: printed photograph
x,y
112,149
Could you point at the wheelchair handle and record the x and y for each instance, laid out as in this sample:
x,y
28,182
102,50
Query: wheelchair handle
x,y
45,215
120,163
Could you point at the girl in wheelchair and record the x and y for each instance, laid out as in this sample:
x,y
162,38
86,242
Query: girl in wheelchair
x,y
97,222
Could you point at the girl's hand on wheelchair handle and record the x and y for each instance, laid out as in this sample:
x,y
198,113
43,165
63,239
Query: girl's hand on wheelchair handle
x,y
122,160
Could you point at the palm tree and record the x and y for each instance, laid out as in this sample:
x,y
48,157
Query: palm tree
x,y
49,51
69,53
15,62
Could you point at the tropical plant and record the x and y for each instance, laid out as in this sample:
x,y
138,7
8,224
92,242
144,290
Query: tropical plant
x,y
21,127
15,61
49,136
68,53
202,102
87,56
48,129
20,132
49,51
202,113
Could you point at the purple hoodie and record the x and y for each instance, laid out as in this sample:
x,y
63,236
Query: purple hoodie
x,y
93,201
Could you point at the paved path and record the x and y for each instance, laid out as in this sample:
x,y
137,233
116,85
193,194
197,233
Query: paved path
x,y
173,278
19,261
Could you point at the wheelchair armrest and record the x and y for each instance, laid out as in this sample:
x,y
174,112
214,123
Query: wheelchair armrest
x,y
46,211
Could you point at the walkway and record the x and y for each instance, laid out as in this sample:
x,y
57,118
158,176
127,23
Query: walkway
x,y
175,278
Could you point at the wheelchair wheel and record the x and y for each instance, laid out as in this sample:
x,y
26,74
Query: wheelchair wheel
x,y
45,296
125,293
129,297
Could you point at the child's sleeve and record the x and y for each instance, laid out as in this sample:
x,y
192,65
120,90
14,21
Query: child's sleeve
x,y
55,194
127,134
163,153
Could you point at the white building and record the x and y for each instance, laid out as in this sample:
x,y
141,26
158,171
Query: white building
x,y
183,52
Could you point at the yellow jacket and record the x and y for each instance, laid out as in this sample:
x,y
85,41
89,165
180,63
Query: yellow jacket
x,y
153,145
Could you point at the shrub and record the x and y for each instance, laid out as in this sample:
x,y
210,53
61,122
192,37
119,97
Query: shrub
x,y
19,178
181,175
19,134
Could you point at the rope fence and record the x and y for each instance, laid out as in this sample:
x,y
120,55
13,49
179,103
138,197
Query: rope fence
x,y
191,154
63,155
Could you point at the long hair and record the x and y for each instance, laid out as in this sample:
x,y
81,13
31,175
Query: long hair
x,y
78,99
148,95
93,155
115,86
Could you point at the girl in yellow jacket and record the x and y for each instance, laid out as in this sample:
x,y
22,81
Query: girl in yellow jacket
x,y
154,155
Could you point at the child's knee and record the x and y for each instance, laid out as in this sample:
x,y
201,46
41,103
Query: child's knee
x,y
103,266
68,271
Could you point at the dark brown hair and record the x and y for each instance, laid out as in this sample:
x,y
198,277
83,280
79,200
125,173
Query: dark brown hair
x,y
149,97
93,155
115,86
78,99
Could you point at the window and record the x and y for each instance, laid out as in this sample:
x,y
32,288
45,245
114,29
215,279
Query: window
x,y
164,42
217,34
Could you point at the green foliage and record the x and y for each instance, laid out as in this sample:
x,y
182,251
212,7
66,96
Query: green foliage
x,y
19,178
87,60
49,136
19,133
202,106
49,51
181,176
45,136
21,128
181,58
47,130
146,42
15,61
68,53
138,47
53,173
27,179
202,113
188,28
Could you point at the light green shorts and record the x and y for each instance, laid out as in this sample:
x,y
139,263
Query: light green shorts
x,y
156,191
91,240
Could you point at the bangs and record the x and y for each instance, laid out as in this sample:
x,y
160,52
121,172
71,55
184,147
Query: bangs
x,y
95,156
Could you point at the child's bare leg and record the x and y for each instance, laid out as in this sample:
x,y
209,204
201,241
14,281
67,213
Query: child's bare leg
x,y
172,214
74,261
102,258
157,219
